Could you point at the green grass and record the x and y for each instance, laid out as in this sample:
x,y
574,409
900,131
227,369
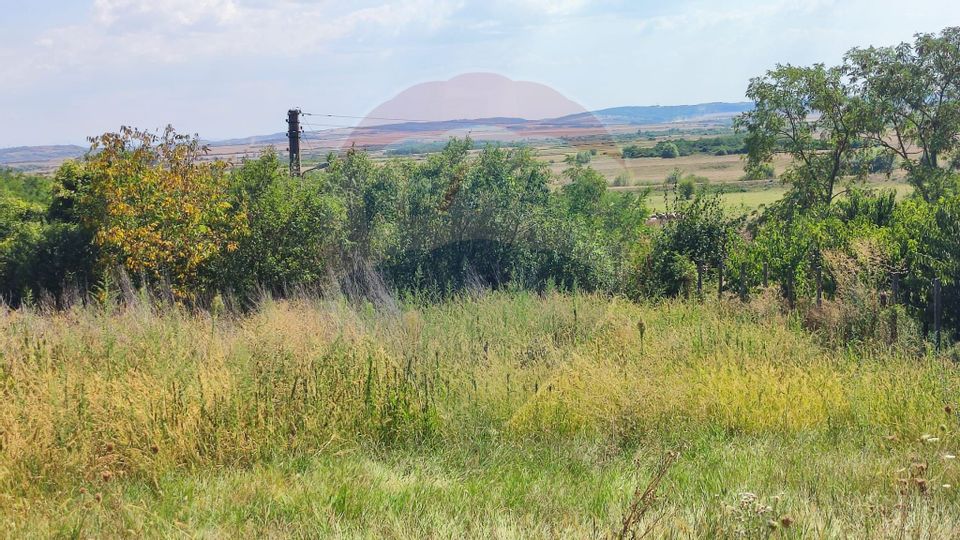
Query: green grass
x,y
747,200
732,201
508,415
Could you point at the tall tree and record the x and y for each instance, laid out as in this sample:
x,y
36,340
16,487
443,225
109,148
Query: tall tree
x,y
808,113
910,94
158,208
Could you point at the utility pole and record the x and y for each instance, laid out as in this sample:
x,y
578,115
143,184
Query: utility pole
x,y
293,136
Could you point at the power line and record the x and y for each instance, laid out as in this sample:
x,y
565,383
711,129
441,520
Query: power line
x,y
348,117
326,125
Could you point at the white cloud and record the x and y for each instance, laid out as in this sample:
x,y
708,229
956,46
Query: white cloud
x,y
178,12
552,7
700,18
131,32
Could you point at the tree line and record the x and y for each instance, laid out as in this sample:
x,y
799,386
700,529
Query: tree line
x,y
720,145
153,210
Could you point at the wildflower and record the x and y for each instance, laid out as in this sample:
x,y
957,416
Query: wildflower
x,y
109,447
786,521
98,497
106,475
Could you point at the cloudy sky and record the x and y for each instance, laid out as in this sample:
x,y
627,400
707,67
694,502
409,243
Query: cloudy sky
x,y
225,68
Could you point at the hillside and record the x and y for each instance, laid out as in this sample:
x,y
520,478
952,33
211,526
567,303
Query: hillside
x,y
375,134
658,114
28,156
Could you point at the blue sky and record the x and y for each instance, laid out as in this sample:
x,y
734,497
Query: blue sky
x,y
224,68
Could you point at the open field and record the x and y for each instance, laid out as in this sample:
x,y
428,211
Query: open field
x,y
651,171
507,415
722,172
737,198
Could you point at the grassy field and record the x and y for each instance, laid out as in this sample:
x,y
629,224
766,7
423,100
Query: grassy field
x,y
723,172
503,415
740,199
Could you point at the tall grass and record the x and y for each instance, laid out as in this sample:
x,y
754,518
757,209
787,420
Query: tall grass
x,y
532,405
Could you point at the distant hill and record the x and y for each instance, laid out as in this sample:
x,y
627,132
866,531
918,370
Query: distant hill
x,y
46,158
658,114
27,155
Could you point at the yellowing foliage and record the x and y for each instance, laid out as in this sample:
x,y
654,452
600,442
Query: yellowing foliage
x,y
160,210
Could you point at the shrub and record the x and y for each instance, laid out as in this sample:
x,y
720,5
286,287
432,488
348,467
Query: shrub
x,y
686,188
669,150
763,171
159,210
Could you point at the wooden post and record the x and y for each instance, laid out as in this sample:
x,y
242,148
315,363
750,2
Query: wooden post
x,y
791,300
699,280
743,282
894,299
720,280
893,324
819,282
936,311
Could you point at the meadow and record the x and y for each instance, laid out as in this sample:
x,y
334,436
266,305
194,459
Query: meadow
x,y
489,415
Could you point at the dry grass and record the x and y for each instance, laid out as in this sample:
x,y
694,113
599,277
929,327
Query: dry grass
x,y
504,415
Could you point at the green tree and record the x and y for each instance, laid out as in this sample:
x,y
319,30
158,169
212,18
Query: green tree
x,y
158,209
585,189
699,237
668,150
293,231
686,188
807,112
910,95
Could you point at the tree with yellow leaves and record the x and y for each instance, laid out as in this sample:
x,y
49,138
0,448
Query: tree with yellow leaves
x,y
160,210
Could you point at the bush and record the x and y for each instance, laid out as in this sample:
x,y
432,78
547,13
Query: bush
x,y
700,236
39,256
763,171
669,150
686,188
158,210
293,231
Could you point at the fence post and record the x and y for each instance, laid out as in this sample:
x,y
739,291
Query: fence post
x,y
720,280
894,293
699,280
936,311
743,282
791,300
819,281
